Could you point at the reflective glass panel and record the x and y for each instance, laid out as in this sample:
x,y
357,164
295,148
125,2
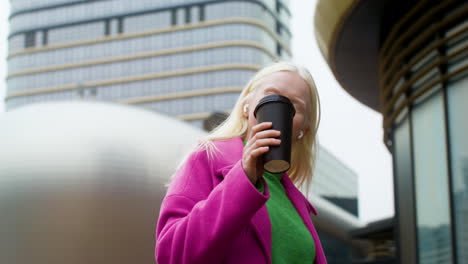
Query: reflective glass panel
x,y
458,125
404,190
431,182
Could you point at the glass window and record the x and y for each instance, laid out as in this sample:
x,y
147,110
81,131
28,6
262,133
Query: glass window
x,y
30,39
458,127
424,61
404,190
174,17
79,32
147,22
138,67
45,37
284,16
16,43
180,16
137,45
431,182
201,15
120,27
87,10
187,15
107,27
278,50
114,26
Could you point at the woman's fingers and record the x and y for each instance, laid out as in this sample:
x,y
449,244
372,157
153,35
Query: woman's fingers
x,y
259,142
259,131
251,159
258,152
268,134
259,127
262,142
266,142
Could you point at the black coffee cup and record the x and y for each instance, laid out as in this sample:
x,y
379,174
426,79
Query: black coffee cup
x,y
280,111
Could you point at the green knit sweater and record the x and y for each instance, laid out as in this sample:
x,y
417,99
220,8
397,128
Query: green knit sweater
x,y
291,240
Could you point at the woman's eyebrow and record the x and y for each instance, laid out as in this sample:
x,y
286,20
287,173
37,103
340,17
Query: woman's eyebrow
x,y
272,89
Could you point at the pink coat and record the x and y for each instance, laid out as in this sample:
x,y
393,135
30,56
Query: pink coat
x,y
212,213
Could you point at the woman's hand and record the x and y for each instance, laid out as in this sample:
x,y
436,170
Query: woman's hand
x,y
258,143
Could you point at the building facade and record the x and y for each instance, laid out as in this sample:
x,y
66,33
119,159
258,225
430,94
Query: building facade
x,y
184,58
336,182
409,61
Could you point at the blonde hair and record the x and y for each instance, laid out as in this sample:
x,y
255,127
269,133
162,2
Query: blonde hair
x,y
303,151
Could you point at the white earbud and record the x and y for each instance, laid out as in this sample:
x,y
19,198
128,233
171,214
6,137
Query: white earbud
x,y
246,106
301,134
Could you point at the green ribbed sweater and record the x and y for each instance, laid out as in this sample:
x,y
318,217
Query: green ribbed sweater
x,y
291,240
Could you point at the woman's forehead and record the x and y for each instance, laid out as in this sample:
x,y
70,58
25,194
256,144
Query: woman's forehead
x,y
283,82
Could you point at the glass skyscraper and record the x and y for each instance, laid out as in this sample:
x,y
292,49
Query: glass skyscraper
x,y
184,58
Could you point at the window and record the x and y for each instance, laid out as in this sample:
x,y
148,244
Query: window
x,y
107,27
120,25
187,15
431,182
174,17
45,39
278,49
201,13
30,39
457,109
403,167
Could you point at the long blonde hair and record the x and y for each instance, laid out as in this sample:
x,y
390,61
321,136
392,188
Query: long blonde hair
x,y
303,151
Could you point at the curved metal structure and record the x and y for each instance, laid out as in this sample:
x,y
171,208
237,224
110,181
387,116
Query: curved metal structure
x,y
82,182
346,32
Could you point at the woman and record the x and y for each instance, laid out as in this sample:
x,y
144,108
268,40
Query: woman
x,y
222,207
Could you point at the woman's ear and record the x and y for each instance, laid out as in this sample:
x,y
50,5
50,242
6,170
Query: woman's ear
x,y
245,110
305,131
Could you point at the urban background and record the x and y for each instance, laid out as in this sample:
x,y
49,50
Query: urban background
x,y
149,77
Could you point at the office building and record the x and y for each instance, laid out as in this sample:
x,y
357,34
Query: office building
x,y
336,182
183,58
408,60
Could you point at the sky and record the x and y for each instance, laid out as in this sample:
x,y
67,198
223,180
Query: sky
x,y
349,130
